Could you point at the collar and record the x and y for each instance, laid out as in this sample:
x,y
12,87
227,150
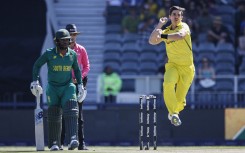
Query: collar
x,y
67,53
169,27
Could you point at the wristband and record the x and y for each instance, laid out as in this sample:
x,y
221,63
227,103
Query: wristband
x,y
165,36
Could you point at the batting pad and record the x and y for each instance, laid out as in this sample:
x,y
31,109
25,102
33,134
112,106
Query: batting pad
x,y
54,125
70,114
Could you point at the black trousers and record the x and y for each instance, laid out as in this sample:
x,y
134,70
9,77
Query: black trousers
x,y
80,120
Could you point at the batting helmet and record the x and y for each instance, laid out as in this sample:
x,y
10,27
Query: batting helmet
x,y
62,34
72,28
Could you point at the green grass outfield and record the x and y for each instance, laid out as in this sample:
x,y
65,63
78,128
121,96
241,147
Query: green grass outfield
x,y
114,149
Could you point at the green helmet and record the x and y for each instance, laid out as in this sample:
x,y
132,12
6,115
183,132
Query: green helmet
x,y
62,34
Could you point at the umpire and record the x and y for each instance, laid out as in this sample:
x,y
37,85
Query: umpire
x,y
83,62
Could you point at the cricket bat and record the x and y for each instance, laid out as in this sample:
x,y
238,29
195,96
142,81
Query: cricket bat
x,y
39,133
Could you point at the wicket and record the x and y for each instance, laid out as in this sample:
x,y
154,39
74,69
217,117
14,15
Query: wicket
x,y
148,99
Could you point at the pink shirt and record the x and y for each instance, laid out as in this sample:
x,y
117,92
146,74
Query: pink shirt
x,y
82,58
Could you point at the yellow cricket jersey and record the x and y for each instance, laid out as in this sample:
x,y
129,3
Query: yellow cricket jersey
x,y
179,51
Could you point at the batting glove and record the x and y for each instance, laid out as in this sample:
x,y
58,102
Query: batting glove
x,y
36,88
82,92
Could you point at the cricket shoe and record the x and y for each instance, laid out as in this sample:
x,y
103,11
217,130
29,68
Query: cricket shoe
x,y
61,147
82,146
73,144
54,148
175,120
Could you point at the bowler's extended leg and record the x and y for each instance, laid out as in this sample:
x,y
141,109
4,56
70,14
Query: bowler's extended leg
x,y
183,85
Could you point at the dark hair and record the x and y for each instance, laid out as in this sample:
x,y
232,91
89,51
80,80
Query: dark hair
x,y
107,67
176,8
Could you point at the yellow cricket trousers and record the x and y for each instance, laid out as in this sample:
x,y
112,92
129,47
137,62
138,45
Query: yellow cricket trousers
x,y
177,81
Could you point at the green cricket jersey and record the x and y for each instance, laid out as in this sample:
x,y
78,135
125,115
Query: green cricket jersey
x,y
59,67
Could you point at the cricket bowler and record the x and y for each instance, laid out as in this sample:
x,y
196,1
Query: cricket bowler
x,y
179,70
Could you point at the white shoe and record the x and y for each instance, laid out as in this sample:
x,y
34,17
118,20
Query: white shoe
x,y
169,116
61,147
54,148
175,120
73,144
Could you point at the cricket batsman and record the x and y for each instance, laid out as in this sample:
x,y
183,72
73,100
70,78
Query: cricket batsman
x,y
61,91
180,69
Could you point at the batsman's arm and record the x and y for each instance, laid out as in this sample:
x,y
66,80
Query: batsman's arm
x,y
37,66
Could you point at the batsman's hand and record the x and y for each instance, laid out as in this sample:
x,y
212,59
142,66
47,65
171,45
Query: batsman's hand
x,y
163,20
82,92
36,88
